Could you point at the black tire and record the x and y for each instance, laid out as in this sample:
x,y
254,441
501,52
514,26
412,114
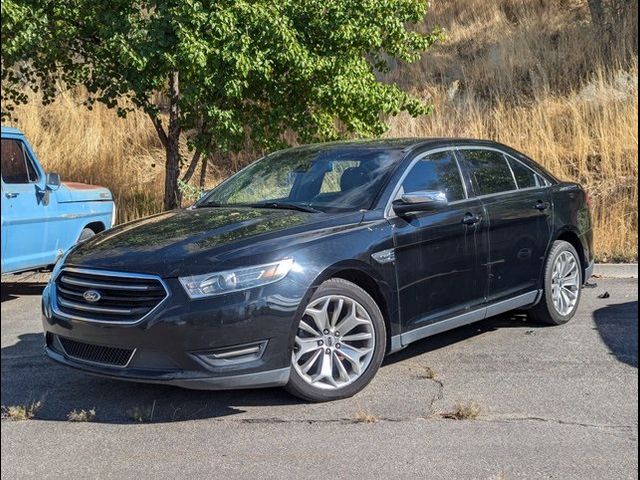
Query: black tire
x,y
86,234
300,388
545,311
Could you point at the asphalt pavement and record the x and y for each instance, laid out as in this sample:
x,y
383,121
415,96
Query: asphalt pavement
x,y
554,402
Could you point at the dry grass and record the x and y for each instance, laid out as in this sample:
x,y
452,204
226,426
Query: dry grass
x,y
463,411
21,412
529,73
363,416
142,414
82,415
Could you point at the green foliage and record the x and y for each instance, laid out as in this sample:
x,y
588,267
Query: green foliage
x,y
246,70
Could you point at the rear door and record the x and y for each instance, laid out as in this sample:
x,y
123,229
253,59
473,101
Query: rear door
x,y
24,210
519,210
439,254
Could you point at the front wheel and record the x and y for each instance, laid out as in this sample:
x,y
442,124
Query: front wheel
x,y
339,343
562,286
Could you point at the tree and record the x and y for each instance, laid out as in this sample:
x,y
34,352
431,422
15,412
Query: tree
x,y
231,72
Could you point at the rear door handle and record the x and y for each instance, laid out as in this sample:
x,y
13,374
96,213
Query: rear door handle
x,y
542,206
11,194
471,219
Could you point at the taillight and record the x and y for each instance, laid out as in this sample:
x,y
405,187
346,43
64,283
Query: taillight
x,y
587,198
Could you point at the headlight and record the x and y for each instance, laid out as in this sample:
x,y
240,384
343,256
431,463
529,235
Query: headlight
x,y
211,284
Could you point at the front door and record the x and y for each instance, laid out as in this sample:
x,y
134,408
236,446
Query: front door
x,y
24,210
439,254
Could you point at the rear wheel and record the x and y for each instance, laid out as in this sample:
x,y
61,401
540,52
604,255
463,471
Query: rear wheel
x,y
339,344
562,286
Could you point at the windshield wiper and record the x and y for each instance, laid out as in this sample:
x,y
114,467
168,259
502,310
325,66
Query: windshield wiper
x,y
283,206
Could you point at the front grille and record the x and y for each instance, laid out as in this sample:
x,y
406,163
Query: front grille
x,y
116,357
107,297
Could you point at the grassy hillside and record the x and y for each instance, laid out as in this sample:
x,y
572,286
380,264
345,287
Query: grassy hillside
x,y
534,74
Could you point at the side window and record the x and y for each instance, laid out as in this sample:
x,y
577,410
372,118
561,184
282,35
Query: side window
x,y
525,177
438,172
489,171
16,166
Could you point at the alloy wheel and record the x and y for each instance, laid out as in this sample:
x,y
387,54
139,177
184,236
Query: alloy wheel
x,y
334,342
565,283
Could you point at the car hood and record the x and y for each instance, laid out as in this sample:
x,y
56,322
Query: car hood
x,y
82,192
193,241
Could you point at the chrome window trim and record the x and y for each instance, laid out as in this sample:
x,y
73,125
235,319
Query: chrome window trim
x,y
388,211
105,273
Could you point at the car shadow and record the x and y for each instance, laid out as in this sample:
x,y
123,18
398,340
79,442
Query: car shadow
x,y
13,290
618,327
29,376
460,334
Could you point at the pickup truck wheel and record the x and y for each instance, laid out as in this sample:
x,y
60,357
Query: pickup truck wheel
x,y
339,344
562,286
86,234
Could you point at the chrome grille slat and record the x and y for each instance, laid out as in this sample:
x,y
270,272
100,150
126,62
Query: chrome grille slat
x,y
87,308
109,286
123,298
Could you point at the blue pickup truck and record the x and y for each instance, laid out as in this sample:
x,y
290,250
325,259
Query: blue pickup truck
x,y
41,216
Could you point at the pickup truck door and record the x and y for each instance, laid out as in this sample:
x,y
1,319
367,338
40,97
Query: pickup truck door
x,y
24,210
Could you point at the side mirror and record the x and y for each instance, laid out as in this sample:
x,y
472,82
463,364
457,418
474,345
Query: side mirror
x,y
420,202
53,181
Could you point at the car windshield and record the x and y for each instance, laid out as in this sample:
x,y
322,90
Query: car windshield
x,y
339,179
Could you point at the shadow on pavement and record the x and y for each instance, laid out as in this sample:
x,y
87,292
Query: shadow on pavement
x,y
618,328
28,376
460,334
13,290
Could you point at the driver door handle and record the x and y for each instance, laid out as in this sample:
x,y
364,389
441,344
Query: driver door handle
x,y
11,194
542,206
471,219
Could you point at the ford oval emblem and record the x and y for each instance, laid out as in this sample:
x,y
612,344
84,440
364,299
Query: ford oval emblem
x,y
91,296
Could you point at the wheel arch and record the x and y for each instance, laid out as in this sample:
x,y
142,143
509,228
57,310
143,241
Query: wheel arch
x,y
365,277
97,227
571,236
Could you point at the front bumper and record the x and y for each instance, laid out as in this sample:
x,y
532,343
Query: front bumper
x,y
177,344
191,380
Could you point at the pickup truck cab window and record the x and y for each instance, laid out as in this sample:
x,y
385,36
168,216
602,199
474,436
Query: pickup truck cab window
x,y
17,167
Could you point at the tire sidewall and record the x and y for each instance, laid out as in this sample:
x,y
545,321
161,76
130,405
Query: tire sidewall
x,y
299,387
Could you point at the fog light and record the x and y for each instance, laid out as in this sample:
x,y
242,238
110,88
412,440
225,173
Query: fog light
x,y
231,355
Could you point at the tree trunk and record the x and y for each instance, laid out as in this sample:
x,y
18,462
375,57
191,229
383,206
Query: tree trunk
x,y
172,166
203,171
596,8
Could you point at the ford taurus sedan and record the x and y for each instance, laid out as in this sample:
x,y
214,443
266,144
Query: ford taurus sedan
x,y
310,265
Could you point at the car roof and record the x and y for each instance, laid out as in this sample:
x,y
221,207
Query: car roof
x,y
406,145
10,131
